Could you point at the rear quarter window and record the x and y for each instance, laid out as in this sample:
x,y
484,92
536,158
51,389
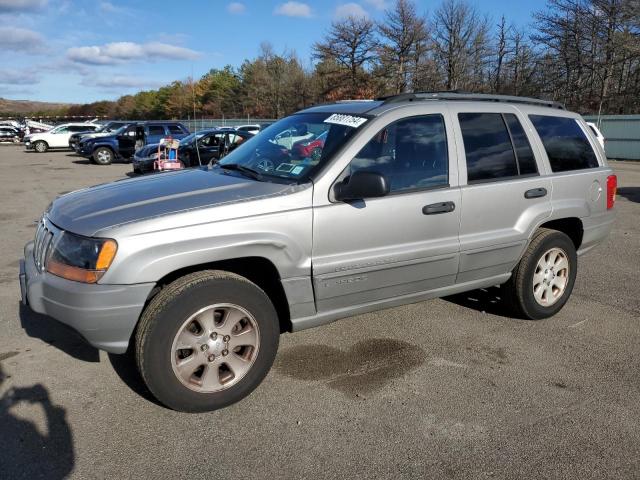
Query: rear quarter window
x,y
176,130
565,142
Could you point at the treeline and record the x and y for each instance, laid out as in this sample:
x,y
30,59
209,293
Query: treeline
x,y
583,53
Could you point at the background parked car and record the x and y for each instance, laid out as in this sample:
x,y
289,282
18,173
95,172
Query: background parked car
x,y
311,148
10,134
57,137
211,144
596,131
252,129
123,143
103,131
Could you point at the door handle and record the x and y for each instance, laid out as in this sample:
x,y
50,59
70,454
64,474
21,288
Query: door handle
x,y
437,208
535,193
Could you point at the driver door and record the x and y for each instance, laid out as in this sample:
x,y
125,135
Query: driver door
x,y
127,142
399,245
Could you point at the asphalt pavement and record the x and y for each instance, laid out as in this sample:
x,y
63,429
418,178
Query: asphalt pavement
x,y
448,388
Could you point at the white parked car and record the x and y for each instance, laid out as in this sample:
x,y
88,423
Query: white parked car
x,y
596,131
57,137
252,129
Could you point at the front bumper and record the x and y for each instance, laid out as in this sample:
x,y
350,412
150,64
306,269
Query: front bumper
x,y
28,145
105,315
84,150
142,164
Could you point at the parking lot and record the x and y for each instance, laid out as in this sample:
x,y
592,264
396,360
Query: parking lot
x,y
448,388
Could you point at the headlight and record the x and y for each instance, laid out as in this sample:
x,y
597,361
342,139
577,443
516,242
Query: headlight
x,y
154,155
81,259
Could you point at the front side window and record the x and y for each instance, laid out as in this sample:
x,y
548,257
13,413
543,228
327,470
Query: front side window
x,y
566,144
175,130
410,153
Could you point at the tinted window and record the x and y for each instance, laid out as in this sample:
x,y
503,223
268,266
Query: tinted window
x,y
524,154
487,147
566,144
156,130
176,130
410,153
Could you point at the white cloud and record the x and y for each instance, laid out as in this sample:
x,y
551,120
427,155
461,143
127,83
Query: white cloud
x,y
118,82
350,10
21,40
236,8
377,4
19,77
121,52
293,9
27,6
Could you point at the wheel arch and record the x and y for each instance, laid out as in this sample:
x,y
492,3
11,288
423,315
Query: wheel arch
x,y
259,270
572,227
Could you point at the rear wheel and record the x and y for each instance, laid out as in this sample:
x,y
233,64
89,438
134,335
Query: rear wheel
x,y
103,156
40,146
543,280
206,341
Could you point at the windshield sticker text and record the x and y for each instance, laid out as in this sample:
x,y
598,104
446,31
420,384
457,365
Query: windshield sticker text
x,y
346,120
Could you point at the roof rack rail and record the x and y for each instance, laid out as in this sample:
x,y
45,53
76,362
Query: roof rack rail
x,y
458,95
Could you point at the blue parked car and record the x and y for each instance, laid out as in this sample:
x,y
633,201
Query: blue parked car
x,y
125,141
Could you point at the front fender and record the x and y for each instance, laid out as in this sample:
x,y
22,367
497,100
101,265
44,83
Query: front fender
x,y
150,251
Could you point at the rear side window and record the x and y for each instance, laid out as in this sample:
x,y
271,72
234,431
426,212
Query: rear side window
x,y
176,130
524,154
496,147
156,130
487,146
566,144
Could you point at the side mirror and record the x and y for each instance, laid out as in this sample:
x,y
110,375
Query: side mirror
x,y
361,185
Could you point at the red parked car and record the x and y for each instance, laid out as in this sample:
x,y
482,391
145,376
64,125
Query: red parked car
x,y
311,148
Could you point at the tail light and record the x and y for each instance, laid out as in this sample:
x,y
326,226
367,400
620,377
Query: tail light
x,y
612,187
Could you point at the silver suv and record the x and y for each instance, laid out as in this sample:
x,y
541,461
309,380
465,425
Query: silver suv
x,y
411,197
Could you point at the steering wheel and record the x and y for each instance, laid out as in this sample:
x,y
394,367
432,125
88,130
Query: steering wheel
x,y
266,165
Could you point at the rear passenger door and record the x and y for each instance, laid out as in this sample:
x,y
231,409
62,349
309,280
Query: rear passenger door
x,y
504,190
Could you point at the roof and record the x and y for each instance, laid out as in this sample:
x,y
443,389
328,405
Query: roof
x,y
376,107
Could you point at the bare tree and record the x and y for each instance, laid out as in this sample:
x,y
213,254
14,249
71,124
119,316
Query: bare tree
x,y
350,43
403,34
459,40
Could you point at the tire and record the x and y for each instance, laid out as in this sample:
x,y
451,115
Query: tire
x,y
540,285
103,156
40,146
192,379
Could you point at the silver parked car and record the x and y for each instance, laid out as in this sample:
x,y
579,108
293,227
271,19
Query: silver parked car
x,y
413,197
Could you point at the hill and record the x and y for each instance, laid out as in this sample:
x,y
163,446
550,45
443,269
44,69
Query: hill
x,y
27,106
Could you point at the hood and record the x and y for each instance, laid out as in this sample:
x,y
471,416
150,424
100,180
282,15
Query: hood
x,y
85,136
147,150
90,210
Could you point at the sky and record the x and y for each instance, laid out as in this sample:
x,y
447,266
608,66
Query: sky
x,y
81,51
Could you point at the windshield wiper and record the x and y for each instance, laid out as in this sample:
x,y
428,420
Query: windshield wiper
x,y
249,172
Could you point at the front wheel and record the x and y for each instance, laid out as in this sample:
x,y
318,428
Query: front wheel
x,y
543,280
206,341
103,156
40,146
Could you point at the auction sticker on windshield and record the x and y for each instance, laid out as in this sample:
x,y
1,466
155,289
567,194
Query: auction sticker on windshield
x,y
346,120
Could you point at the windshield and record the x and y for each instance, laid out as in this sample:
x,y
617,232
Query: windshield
x,y
295,146
189,138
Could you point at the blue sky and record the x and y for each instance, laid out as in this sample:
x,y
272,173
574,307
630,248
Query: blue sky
x,y
83,51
